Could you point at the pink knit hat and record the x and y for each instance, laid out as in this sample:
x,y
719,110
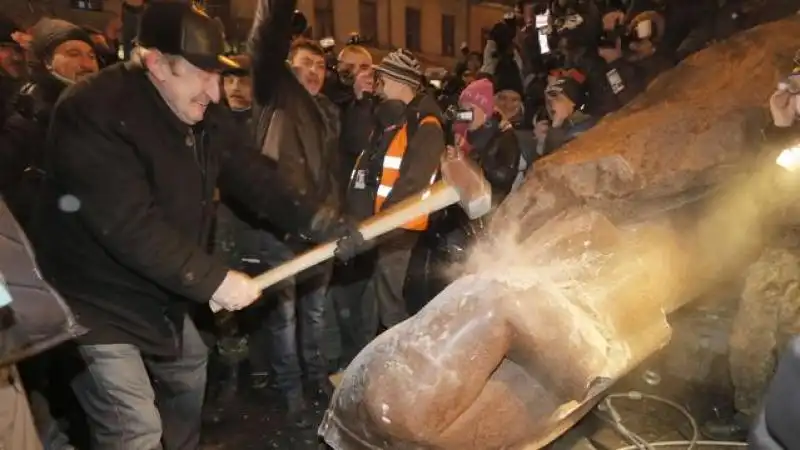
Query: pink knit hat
x,y
481,94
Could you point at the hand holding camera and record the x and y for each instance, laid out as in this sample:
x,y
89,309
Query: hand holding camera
x,y
791,84
612,20
540,129
363,83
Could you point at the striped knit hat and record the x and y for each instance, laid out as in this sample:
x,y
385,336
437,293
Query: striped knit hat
x,y
401,66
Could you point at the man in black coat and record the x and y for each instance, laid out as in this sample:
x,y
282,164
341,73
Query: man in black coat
x,y
134,156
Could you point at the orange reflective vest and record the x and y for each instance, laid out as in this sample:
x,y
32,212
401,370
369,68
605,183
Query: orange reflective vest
x,y
391,172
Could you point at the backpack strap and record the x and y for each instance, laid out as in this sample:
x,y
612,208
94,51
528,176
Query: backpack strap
x,y
415,119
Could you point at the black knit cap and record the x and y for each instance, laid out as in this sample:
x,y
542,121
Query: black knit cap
x,y
7,28
508,79
49,33
177,28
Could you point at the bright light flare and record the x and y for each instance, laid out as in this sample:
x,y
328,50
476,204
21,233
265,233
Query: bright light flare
x,y
789,159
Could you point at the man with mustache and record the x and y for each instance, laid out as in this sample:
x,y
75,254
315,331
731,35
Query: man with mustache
x,y
298,127
64,54
134,156
238,87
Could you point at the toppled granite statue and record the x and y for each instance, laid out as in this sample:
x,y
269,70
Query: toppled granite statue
x,y
606,237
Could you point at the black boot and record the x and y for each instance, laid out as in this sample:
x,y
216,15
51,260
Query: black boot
x,y
732,429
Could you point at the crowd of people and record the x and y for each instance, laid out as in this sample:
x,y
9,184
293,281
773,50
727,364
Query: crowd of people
x,y
153,189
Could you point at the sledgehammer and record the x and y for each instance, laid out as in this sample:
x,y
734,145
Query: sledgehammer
x,y
462,182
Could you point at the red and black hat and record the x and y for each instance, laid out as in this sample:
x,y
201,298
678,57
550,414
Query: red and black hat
x,y
570,87
177,28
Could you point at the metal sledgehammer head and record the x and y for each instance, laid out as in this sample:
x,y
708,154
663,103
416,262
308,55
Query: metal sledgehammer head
x,y
474,192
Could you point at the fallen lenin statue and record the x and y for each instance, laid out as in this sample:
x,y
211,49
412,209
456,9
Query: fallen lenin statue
x,y
640,215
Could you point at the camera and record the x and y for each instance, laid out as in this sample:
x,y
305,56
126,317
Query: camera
x,y
299,23
620,32
609,38
454,114
327,43
358,39
346,77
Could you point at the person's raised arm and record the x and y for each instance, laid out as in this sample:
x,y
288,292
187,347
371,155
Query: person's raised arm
x,y
270,39
489,57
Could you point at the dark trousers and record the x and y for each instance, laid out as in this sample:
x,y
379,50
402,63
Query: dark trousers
x,y
347,297
297,303
385,289
117,395
364,303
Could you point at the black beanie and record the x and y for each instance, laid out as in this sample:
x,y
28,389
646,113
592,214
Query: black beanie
x,y
7,28
507,76
50,33
571,88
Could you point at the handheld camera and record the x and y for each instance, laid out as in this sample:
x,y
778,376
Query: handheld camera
x,y
452,116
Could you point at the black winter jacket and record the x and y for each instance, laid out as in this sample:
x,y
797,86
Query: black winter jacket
x,y
9,88
22,142
497,152
127,206
358,121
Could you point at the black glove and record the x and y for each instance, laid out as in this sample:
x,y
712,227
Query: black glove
x,y
328,225
351,242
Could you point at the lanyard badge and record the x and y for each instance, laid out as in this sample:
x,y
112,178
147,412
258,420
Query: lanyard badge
x,y
361,179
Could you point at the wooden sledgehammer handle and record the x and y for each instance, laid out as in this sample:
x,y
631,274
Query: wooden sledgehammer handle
x,y
438,197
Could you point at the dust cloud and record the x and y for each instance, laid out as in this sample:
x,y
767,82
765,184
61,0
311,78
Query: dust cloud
x,y
625,278
682,253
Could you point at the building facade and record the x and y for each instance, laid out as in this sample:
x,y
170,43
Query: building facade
x,y
433,29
